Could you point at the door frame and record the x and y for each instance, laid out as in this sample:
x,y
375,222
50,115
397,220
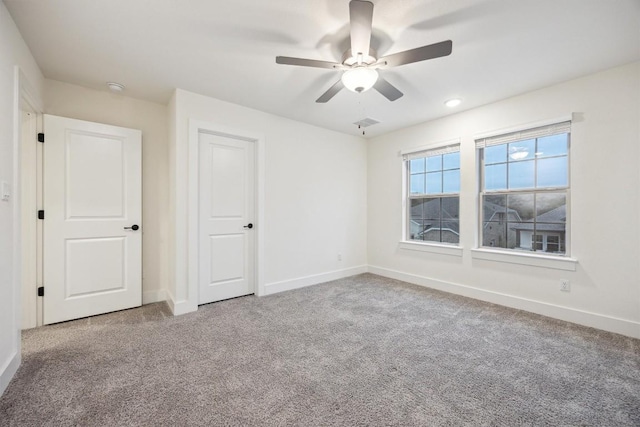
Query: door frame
x,y
27,202
195,128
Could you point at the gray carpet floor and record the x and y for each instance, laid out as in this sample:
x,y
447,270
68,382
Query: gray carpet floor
x,y
359,351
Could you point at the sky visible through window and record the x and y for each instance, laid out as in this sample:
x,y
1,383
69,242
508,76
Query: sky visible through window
x,y
435,174
533,163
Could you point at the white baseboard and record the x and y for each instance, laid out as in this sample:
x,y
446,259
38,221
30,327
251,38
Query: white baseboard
x,y
150,297
594,320
179,307
301,282
8,371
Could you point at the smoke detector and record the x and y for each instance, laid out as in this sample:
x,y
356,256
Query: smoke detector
x,y
115,87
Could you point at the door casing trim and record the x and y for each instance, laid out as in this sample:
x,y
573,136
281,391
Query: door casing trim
x,y
28,267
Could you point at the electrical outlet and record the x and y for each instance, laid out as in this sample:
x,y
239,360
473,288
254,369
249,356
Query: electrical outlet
x,y
339,257
565,285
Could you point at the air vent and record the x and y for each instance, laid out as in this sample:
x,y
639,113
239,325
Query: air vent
x,y
366,122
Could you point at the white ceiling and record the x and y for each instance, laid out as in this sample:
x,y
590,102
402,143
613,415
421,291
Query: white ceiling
x,y
226,49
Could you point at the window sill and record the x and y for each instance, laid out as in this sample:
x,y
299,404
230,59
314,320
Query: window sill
x,y
545,261
431,247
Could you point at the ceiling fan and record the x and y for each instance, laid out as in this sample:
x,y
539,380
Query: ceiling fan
x,y
360,63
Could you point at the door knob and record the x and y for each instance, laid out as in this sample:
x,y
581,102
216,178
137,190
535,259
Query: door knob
x,y
248,226
134,227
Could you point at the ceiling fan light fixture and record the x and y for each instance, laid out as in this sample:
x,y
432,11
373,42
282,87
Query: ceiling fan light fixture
x,y
359,79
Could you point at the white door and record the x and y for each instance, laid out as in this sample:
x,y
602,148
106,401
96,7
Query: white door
x,y
92,199
226,216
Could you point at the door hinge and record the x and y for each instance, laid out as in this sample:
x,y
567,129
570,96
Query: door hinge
x,y
41,137
41,291
40,214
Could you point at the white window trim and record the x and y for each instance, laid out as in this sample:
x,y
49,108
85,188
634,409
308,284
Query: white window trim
x,y
525,126
434,146
523,258
433,247
422,246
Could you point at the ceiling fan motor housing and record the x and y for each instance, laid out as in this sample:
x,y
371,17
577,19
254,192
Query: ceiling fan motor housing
x,y
349,59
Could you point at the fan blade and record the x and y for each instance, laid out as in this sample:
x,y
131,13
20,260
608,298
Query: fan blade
x,y
286,60
361,15
388,90
423,53
337,87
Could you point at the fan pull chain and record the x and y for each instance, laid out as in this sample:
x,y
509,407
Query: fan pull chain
x,y
364,114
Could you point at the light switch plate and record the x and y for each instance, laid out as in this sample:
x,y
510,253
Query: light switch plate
x,y
5,191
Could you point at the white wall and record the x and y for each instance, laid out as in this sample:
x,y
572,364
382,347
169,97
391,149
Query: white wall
x,y
13,51
605,205
67,100
315,195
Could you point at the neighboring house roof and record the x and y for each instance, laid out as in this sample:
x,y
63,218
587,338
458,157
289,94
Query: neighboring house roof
x,y
491,209
417,229
553,220
432,210
453,227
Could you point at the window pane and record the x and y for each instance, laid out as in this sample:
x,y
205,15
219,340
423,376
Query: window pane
x,y
521,150
521,213
432,232
521,174
416,165
450,208
434,163
415,229
513,234
495,154
450,232
553,244
538,242
553,172
432,209
523,237
451,161
495,177
551,207
551,220
417,183
492,206
494,234
440,223
554,145
451,181
434,182
416,209
520,207
549,233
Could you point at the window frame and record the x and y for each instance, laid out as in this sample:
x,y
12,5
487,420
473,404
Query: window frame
x,y
481,192
425,245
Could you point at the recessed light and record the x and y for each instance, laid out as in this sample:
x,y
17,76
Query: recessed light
x,y
115,87
453,102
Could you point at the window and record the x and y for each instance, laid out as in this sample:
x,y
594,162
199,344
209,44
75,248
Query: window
x,y
524,189
433,183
